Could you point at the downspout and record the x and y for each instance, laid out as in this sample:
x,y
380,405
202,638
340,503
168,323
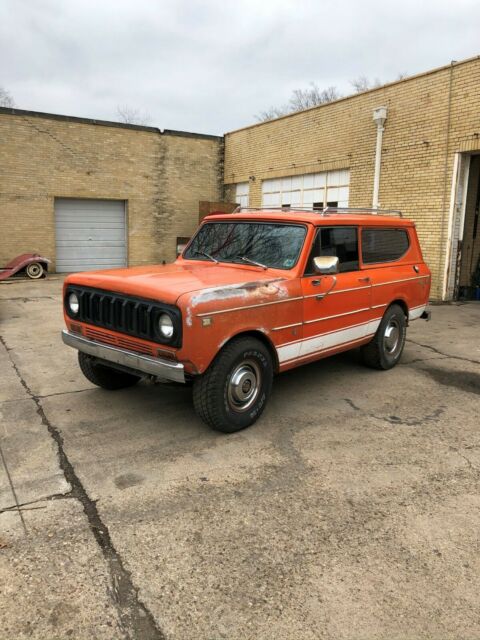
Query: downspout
x,y
379,117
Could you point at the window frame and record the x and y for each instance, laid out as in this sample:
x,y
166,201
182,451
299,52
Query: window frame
x,y
306,273
369,265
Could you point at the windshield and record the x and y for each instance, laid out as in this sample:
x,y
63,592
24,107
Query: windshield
x,y
267,245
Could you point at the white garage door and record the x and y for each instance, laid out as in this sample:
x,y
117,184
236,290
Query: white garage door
x,y
91,234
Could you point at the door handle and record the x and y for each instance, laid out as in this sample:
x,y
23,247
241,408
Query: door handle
x,y
315,283
366,279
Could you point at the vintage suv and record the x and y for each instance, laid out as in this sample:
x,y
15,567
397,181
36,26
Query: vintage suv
x,y
254,293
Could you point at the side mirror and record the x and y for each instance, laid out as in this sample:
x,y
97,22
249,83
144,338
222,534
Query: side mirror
x,y
326,264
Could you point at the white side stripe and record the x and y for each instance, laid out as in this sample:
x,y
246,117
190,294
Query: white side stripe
x,y
416,312
326,341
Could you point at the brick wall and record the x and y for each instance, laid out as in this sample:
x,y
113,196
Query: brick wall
x,y
430,117
162,176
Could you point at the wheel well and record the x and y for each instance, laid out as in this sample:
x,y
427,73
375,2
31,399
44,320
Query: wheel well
x,y
402,304
259,335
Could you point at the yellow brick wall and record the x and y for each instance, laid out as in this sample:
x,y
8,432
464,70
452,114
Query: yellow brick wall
x,y
426,124
161,176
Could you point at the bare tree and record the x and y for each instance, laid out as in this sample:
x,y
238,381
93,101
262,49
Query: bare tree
x,y
131,115
313,96
271,113
300,100
6,99
362,83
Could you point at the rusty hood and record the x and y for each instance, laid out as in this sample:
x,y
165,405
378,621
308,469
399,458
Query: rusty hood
x,y
205,282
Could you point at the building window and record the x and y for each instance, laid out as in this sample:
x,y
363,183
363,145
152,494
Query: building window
x,y
383,245
312,190
242,190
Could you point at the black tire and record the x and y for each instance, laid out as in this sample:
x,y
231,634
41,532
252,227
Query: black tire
x,y
233,391
386,348
105,376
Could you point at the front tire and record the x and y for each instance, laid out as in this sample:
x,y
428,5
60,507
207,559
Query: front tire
x,y
386,348
233,391
103,375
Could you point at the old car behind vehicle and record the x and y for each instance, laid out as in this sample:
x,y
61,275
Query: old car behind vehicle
x,y
33,265
254,293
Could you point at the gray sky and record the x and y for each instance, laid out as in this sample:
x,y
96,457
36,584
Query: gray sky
x,y
211,66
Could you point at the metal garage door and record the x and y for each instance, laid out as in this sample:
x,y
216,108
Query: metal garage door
x,y
90,234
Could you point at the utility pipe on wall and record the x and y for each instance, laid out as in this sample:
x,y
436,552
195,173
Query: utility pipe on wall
x,y
379,117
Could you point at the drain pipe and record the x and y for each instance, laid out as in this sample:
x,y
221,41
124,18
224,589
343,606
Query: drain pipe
x,y
379,117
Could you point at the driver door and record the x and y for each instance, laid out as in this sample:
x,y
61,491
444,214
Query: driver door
x,y
336,310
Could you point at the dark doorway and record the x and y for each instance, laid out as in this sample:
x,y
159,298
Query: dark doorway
x,y
469,270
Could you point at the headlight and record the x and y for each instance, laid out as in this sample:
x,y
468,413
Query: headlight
x,y
73,303
165,325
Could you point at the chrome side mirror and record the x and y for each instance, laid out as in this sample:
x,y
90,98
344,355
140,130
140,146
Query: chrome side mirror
x,y
326,264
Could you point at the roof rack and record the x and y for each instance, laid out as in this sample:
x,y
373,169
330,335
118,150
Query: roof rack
x,y
363,211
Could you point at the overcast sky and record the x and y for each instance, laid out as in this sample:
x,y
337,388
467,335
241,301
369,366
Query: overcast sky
x,y
211,66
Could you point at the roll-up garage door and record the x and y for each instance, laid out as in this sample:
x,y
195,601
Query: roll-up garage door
x,y
90,234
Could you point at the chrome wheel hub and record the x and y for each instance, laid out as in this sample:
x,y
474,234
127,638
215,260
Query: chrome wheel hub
x,y
391,337
33,269
244,385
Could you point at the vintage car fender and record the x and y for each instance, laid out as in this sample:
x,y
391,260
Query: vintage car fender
x,y
21,262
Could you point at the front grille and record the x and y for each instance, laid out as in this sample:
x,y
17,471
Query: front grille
x,y
119,341
126,314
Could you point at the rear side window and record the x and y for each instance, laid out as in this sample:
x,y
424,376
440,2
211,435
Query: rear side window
x,y
336,241
383,245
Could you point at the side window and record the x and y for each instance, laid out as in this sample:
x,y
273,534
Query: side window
x,y
335,241
383,245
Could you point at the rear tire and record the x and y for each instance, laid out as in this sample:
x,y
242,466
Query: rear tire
x,y
233,391
105,376
386,348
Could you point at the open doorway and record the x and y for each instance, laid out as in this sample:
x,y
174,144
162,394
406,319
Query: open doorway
x,y
469,260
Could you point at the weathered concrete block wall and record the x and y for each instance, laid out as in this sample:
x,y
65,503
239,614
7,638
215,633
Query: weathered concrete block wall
x,y
430,117
162,176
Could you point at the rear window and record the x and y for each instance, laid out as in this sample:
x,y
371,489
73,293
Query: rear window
x,y
383,245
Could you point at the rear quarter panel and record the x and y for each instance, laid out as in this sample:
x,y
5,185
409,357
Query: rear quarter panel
x,y
407,279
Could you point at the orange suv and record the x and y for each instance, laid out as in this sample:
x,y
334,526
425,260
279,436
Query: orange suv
x,y
254,293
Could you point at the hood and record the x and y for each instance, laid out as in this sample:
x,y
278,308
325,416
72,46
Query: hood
x,y
167,283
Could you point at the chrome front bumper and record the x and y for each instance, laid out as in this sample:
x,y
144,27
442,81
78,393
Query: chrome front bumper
x,y
152,366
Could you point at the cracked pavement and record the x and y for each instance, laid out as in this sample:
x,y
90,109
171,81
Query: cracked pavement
x,y
351,510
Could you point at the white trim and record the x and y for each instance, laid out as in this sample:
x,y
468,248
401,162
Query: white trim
x,y
314,295
382,284
416,312
251,306
338,315
264,304
326,341
288,326
351,343
451,211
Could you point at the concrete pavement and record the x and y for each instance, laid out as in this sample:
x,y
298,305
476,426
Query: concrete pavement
x,y
350,510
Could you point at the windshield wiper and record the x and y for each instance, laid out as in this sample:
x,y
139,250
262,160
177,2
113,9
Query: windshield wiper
x,y
207,255
249,261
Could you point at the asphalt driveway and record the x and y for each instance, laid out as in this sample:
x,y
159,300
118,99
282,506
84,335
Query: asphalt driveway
x,y
350,510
